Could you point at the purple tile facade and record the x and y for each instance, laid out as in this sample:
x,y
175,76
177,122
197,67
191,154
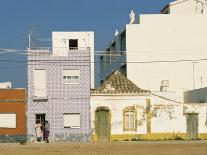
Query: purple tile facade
x,y
60,98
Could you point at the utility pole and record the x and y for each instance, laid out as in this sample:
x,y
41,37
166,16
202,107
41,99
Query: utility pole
x,y
201,81
193,74
194,62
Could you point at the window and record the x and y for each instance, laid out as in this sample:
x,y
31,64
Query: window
x,y
40,83
129,122
123,41
73,43
71,120
71,76
164,85
7,120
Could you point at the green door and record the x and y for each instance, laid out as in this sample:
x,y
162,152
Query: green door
x,y
192,126
102,125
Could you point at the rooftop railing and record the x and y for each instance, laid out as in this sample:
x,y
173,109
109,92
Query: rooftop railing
x,y
50,49
46,49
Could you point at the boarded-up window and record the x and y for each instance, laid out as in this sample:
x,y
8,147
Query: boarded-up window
x,y
40,89
71,76
71,120
7,120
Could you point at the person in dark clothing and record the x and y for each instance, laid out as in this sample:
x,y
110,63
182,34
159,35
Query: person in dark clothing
x,y
46,131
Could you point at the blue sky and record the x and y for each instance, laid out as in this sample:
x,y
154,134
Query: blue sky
x,y
102,17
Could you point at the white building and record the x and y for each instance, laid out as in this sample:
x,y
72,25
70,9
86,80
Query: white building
x,y
122,111
163,50
62,41
185,7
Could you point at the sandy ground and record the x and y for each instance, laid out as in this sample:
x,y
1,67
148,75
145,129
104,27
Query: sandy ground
x,y
114,148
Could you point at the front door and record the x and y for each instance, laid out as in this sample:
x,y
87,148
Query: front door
x,y
192,126
41,119
102,124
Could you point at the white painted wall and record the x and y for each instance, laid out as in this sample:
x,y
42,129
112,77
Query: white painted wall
x,y
167,38
116,104
60,45
167,116
186,7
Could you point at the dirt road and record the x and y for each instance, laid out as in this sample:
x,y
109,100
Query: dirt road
x,y
114,148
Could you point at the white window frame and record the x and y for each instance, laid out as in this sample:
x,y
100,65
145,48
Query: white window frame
x,y
6,123
69,118
71,76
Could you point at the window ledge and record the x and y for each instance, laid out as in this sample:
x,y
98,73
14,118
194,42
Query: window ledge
x,y
71,127
129,130
71,83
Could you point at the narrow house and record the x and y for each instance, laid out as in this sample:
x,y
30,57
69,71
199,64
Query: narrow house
x,y
59,86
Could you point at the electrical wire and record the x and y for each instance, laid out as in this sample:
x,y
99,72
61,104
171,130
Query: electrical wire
x,y
88,61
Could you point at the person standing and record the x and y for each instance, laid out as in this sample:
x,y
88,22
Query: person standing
x,y
38,131
46,131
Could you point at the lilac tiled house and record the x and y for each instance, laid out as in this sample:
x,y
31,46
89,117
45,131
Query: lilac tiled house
x,y
59,83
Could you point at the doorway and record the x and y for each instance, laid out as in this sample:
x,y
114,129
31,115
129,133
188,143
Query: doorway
x,y
192,126
41,119
102,124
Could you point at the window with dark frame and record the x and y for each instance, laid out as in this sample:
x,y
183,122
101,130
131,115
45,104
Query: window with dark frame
x,y
71,76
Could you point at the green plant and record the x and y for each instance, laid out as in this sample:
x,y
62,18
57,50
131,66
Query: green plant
x,y
178,138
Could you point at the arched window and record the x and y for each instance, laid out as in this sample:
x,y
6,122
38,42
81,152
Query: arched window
x,y
129,119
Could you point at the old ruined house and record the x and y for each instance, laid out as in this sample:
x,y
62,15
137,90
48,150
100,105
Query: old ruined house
x,y
122,111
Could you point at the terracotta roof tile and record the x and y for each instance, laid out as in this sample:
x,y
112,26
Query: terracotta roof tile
x,y
117,83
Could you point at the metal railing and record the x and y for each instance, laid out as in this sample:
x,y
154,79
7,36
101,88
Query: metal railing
x,y
46,49
50,49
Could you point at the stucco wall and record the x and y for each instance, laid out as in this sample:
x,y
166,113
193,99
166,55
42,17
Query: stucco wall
x,y
167,118
186,7
167,38
116,104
